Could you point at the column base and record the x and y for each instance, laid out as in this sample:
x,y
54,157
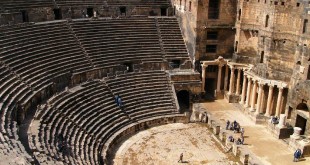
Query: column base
x,y
252,109
279,133
219,95
231,98
256,113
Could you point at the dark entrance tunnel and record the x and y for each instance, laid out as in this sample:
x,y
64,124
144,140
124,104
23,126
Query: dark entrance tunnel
x,y
183,100
301,122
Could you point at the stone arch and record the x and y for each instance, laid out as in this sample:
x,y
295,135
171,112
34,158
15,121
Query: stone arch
x,y
302,106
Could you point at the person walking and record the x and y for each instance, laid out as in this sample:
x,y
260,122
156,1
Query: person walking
x,y
181,158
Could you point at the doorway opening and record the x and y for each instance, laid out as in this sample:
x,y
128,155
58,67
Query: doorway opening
x,y
25,16
57,14
175,63
163,11
123,10
183,100
210,87
90,12
301,121
129,67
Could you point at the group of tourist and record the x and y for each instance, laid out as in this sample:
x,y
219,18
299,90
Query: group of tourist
x,y
235,126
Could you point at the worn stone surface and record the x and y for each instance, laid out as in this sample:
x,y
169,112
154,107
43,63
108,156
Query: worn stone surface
x,y
164,144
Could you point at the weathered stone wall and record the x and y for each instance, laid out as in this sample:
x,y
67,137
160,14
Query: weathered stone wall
x,y
272,37
223,25
269,32
34,15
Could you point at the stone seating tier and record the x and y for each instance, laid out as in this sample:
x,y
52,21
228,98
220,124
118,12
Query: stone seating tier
x,y
33,56
88,116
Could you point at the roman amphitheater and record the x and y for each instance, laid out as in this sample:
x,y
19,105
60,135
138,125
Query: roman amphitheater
x,y
159,82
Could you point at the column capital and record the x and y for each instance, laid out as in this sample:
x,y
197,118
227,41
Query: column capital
x,y
204,66
232,67
221,65
260,84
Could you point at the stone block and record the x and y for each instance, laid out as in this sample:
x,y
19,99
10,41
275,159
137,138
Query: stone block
x,y
216,129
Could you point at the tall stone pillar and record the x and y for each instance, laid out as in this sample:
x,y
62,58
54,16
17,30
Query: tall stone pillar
x,y
232,77
269,99
226,78
253,98
248,93
259,99
219,78
279,101
238,82
203,75
243,90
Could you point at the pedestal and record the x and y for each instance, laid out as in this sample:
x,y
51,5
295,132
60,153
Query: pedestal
x,y
282,121
296,134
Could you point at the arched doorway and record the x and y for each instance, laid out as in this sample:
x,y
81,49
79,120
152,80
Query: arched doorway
x,y
183,100
302,117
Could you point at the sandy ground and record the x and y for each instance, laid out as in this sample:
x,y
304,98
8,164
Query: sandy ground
x,y
162,146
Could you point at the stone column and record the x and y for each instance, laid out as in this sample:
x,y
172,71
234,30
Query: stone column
x,y
278,108
219,78
232,76
238,82
269,99
243,90
248,93
203,75
226,78
253,98
259,99
281,121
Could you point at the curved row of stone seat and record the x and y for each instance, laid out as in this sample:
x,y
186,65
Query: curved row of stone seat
x,y
40,52
172,39
86,117
13,92
144,94
116,41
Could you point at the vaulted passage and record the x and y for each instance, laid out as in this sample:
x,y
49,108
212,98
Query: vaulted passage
x,y
302,117
183,100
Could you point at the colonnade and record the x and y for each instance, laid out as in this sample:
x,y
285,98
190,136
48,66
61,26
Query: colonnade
x,y
251,92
